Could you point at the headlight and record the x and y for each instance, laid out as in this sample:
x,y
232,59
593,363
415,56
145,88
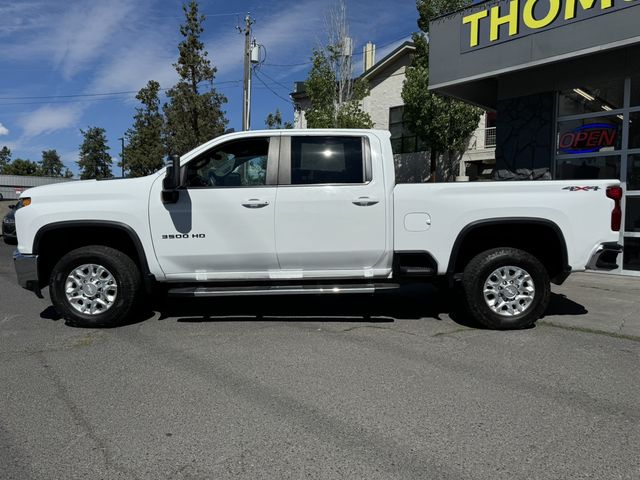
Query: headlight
x,y
23,202
8,220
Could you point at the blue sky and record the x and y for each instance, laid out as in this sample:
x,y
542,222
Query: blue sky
x,y
53,51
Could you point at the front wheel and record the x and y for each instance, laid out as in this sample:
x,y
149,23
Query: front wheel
x,y
506,288
95,286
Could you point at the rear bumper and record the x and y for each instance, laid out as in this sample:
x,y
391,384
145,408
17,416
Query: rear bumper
x,y
605,258
27,271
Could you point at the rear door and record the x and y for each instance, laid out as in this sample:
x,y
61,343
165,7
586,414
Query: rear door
x,y
331,208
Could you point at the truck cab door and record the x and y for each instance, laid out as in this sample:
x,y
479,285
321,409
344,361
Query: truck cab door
x,y
222,226
331,211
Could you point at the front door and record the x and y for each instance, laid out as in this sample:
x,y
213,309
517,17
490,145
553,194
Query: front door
x,y
222,226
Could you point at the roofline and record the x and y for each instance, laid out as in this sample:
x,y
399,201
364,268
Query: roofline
x,y
407,45
391,56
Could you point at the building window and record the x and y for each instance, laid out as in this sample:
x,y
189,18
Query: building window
x,y
490,121
403,140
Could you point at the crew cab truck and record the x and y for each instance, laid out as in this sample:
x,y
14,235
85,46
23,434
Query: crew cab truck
x,y
308,212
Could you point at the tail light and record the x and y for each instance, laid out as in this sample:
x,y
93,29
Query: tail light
x,y
615,194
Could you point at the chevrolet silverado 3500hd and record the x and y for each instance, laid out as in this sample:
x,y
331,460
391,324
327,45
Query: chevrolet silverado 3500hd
x,y
309,212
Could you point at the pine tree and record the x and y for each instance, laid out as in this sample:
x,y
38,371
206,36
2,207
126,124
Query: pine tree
x,y
442,123
95,161
192,117
22,167
5,158
144,152
50,165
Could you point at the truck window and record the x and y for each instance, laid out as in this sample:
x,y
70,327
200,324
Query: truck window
x,y
239,163
322,160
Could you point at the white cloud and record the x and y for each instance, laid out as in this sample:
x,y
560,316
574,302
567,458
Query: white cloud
x,y
49,119
3,130
72,38
85,31
131,68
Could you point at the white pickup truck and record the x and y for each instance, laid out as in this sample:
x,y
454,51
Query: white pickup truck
x,y
309,212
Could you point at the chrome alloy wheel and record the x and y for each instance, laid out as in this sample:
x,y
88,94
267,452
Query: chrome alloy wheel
x,y
509,291
91,289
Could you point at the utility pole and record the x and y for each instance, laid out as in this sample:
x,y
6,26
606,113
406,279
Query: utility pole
x,y
246,101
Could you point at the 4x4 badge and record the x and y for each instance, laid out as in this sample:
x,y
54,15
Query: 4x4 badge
x,y
581,189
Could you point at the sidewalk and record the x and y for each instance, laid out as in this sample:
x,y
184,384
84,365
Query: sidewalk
x,y
597,302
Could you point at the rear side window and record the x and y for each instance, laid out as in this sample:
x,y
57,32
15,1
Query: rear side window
x,y
318,160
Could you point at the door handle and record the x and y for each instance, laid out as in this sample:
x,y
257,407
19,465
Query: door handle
x,y
365,201
255,203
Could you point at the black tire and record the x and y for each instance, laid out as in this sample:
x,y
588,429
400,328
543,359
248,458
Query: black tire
x,y
478,271
122,268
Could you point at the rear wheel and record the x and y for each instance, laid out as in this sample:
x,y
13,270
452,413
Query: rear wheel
x,y
95,286
506,288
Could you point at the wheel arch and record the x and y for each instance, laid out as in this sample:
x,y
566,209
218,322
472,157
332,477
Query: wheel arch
x,y
54,240
515,232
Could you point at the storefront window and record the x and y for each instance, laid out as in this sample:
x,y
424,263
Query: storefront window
x,y
634,130
632,214
631,255
633,172
591,98
635,91
588,168
589,135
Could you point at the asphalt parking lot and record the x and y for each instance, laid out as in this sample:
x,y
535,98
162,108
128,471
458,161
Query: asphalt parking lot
x,y
325,388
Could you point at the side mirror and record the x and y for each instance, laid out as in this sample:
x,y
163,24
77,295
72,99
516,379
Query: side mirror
x,y
12,207
171,181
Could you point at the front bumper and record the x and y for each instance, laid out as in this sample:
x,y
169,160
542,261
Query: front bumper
x,y
605,257
27,271
9,230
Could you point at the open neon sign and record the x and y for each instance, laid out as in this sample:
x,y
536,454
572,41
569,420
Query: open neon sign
x,y
589,138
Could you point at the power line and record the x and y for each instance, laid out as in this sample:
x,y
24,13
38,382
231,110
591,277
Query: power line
x,y
287,87
288,100
77,95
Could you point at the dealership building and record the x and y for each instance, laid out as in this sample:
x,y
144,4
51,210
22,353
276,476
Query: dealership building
x,y
563,77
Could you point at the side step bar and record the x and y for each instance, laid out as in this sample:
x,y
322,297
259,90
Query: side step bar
x,y
228,291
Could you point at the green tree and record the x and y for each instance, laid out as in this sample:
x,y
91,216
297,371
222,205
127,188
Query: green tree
x,y
442,123
68,173
21,167
192,117
50,165
5,158
274,120
144,152
95,161
335,97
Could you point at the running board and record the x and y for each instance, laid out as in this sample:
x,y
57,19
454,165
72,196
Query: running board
x,y
280,290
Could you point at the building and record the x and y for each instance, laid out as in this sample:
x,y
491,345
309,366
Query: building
x,y
563,77
385,106
11,186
